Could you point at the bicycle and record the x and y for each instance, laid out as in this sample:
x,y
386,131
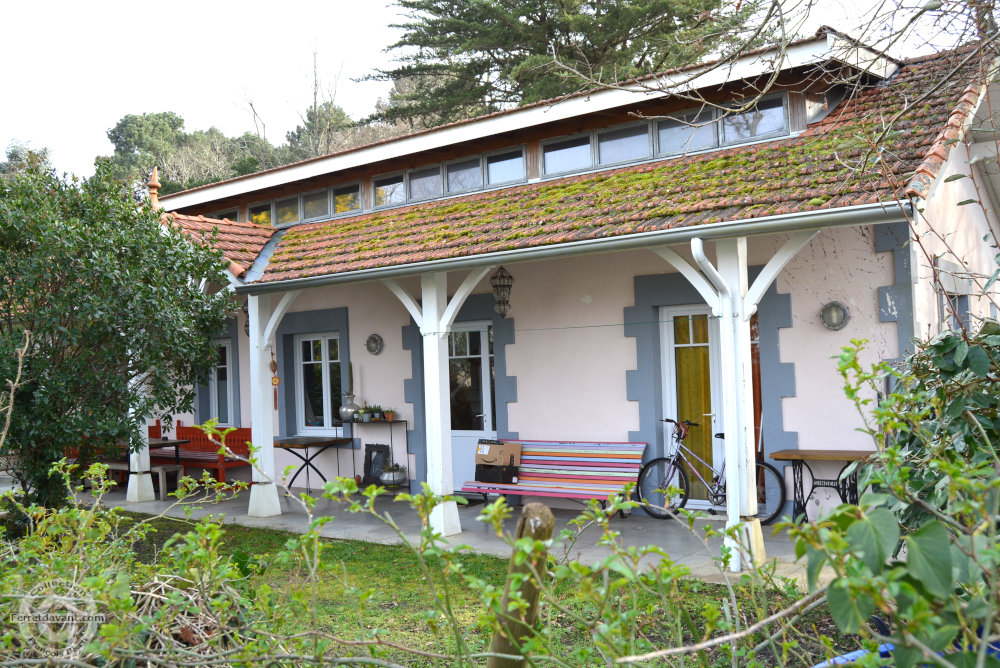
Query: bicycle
x,y
663,474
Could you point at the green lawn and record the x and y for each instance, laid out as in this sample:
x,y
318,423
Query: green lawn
x,y
401,604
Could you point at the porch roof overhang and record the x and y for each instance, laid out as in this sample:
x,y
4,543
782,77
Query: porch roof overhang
x,y
852,216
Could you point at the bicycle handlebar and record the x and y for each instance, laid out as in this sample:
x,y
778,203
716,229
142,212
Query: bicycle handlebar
x,y
686,423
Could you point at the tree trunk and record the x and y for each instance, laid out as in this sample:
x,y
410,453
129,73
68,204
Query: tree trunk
x,y
537,523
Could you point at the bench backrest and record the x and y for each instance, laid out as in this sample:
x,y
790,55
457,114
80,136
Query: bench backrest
x,y
610,462
236,440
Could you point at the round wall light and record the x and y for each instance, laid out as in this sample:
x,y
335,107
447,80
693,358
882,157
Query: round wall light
x,y
834,315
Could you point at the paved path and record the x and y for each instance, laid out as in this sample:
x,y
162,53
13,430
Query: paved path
x,y
638,530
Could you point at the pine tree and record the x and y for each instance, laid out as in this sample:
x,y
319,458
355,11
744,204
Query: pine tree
x,y
466,57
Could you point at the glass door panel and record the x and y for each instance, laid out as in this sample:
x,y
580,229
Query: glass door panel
x,y
689,358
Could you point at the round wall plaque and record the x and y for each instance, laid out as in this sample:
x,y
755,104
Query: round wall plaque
x,y
374,344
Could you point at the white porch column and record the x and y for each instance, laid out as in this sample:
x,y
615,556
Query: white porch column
x,y
264,500
140,483
726,290
737,393
437,400
435,316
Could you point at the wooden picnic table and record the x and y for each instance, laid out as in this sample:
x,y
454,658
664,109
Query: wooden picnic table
x,y
846,487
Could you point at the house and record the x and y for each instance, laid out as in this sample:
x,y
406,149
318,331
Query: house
x,y
669,258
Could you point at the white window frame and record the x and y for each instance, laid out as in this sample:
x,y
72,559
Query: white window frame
x,y
678,116
784,132
333,199
486,170
220,214
425,168
650,143
669,375
302,206
565,138
389,175
300,399
213,383
468,158
482,327
269,203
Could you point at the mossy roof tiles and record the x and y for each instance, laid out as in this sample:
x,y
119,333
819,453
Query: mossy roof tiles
x,y
241,243
829,165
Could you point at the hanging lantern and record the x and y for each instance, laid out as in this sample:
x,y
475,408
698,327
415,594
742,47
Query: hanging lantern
x,y
502,282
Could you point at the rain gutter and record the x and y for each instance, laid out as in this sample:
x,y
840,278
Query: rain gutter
x,y
864,214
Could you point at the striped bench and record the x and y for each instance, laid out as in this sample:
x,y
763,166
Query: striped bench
x,y
569,470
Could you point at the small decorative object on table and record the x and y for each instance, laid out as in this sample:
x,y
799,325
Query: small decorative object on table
x,y
376,412
389,413
393,475
366,413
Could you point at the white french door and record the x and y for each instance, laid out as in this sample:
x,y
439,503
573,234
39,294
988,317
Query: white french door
x,y
471,384
689,340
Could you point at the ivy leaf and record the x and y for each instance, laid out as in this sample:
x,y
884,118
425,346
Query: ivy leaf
x,y
849,611
874,537
968,201
979,361
954,177
928,558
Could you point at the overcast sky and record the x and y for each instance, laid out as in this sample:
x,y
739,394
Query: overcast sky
x,y
70,70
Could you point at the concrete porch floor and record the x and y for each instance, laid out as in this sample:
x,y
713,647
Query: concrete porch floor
x,y
636,531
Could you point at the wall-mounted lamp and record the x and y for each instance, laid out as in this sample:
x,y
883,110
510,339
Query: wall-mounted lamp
x,y
502,281
834,315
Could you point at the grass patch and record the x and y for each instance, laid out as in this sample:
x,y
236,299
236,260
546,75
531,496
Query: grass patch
x,y
364,588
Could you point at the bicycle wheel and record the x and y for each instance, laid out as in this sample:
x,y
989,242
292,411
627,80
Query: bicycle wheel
x,y
770,493
654,480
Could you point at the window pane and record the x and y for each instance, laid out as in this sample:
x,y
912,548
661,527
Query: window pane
x,y
425,184
389,191
682,331
231,214
768,118
312,391
287,210
568,155
307,351
223,354
691,132
222,396
460,347
335,391
346,199
464,176
466,393
475,343
333,346
699,323
624,144
505,167
261,214
315,205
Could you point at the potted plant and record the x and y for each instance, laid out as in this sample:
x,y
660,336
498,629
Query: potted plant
x,y
376,412
393,475
365,413
389,413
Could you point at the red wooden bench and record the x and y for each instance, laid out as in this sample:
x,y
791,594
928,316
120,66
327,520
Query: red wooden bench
x,y
203,453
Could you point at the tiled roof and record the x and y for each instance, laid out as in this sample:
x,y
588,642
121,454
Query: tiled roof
x,y
241,243
818,169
